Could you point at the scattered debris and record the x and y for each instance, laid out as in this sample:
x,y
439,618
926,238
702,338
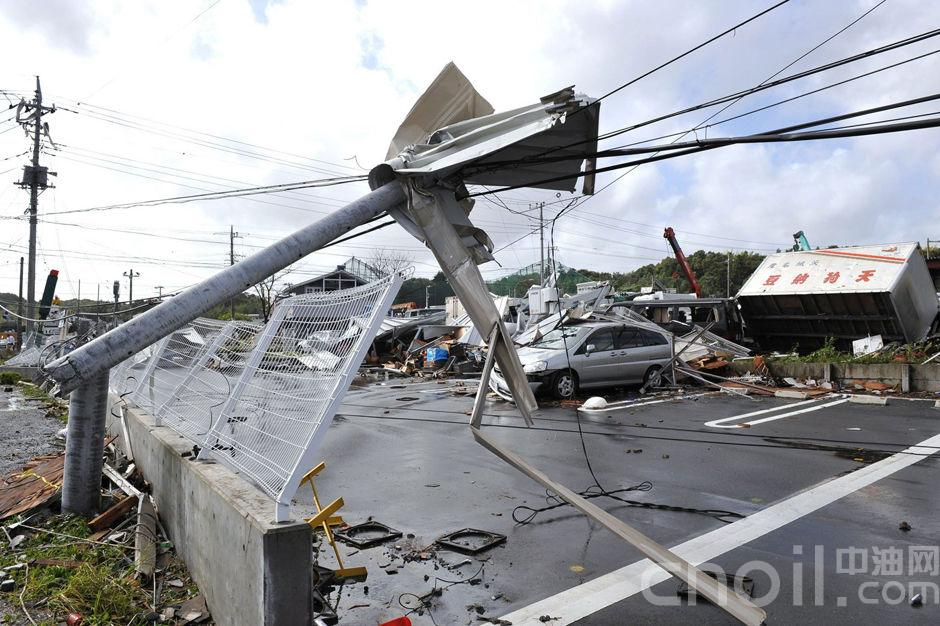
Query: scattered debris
x,y
194,610
37,483
905,526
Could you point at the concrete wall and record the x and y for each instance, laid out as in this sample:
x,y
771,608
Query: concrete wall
x,y
907,377
251,570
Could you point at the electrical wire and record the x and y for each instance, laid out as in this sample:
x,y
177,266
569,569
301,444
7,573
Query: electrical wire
x,y
525,514
691,50
710,144
218,195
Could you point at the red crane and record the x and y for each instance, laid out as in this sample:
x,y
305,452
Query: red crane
x,y
670,235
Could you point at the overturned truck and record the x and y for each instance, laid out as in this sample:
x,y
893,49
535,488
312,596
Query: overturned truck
x,y
799,299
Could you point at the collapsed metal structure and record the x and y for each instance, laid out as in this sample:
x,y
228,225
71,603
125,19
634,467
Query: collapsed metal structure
x,y
420,187
844,293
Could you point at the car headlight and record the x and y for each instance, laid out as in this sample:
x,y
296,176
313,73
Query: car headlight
x,y
535,367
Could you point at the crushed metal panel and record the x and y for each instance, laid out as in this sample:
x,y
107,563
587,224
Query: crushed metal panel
x,y
479,149
449,99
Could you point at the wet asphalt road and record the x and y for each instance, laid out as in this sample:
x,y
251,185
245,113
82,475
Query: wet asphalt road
x,y
402,453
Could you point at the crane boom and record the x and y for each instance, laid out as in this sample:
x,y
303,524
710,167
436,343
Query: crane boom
x,y
670,235
801,242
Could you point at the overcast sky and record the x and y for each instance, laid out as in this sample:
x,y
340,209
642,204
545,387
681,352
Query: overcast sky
x,y
317,89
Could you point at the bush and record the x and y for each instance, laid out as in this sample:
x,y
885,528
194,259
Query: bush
x,y
9,378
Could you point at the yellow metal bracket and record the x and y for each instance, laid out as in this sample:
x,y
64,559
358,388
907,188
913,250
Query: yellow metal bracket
x,y
325,519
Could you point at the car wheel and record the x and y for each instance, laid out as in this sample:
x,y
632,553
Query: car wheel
x,y
564,384
653,377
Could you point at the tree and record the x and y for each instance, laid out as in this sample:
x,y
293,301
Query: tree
x,y
268,291
386,260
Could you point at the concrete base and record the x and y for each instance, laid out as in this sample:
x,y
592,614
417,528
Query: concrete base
x,y
251,570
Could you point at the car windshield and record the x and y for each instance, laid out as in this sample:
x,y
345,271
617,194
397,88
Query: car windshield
x,y
556,339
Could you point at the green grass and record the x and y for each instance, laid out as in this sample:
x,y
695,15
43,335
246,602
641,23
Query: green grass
x,y
103,588
828,353
9,378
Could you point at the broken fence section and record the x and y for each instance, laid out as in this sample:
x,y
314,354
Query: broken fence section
x,y
260,398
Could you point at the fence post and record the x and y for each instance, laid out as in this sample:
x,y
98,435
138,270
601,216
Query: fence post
x,y
84,446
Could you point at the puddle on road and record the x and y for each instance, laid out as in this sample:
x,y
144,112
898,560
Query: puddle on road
x,y
15,403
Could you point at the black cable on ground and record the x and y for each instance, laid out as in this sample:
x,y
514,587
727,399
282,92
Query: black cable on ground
x,y
590,493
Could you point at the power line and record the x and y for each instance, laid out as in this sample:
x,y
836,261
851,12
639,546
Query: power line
x,y
709,144
691,50
738,95
218,195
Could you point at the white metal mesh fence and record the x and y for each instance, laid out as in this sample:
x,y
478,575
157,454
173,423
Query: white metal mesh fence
x,y
284,399
197,398
171,360
260,398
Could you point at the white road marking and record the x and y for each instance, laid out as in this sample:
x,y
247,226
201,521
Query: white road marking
x,y
579,602
720,423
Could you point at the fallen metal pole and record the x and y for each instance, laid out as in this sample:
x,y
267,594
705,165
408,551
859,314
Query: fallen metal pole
x,y
84,446
82,365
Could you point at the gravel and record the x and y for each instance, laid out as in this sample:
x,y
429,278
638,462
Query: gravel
x,y
27,432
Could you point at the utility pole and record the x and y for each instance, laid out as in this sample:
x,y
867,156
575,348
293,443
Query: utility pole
x,y
78,306
131,274
37,179
541,243
117,296
159,289
19,311
231,261
728,281
427,296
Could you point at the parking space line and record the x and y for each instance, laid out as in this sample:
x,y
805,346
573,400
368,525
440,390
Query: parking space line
x,y
631,404
586,599
721,423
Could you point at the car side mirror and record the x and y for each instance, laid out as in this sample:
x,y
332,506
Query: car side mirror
x,y
590,348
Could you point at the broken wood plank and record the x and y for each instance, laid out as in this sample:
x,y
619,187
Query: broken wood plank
x,y
113,514
145,538
115,477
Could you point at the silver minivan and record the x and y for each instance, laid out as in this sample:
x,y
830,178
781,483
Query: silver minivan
x,y
599,354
